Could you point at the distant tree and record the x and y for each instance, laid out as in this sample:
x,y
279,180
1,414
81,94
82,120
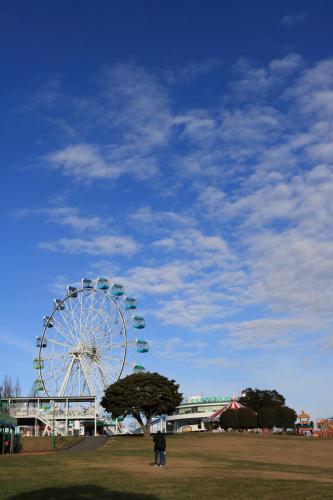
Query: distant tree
x,y
142,396
267,417
247,418
8,389
285,417
229,419
17,389
258,399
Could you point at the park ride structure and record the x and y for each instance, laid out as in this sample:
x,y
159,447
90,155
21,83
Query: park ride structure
x,y
89,340
233,405
9,438
325,427
304,426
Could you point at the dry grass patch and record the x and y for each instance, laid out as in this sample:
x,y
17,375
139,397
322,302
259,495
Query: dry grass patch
x,y
198,466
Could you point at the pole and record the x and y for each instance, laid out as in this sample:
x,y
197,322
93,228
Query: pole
x,y
53,433
95,420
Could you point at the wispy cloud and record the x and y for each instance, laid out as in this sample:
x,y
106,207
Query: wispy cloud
x,y
100,245
290,20
65,216
192,70
267,333
250,225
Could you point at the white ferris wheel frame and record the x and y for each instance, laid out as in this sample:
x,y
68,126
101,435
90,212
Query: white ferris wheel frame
x,y
78,358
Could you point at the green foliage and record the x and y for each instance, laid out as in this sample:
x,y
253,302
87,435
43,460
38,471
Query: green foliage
x,y
267,417
258,399
229,419
247,418
243,418
142,395
286,417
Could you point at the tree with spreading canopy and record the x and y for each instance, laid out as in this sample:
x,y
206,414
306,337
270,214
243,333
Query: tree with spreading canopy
x,y
142,396
267,417
258,399
247,418
286,417
229,419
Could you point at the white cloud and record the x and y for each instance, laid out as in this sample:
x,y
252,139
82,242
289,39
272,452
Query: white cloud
x,y
83,161
158,219
192,70
291,20
260,161
101,245
66,216
268,333
290,63
194,242
139,105
133,108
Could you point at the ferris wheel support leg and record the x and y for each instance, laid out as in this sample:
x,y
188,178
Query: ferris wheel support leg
x,y
65,382
102,372
86,377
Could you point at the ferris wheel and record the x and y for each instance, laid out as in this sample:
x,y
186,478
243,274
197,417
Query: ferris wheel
x,y
89,340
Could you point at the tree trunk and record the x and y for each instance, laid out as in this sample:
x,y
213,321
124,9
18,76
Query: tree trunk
x,y
146,432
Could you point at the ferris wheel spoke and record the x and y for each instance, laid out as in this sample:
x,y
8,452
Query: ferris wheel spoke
x,y
52,379
89,304
110,333
99,311
110,358
91,325
103,372
95,337
73,320
80,297
65,333
95,375
110,346
69,330
100,377
56,342
54,356
69,326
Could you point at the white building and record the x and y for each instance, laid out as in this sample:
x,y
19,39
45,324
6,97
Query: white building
x,y
194,412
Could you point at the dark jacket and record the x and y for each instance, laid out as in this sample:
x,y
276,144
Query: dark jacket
x,y
159,442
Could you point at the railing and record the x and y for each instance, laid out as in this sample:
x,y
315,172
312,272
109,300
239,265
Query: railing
x,y
57,414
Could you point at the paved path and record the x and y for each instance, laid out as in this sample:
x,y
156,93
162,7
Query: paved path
x,y
88,443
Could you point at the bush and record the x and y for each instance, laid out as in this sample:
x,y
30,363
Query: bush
x,y
247,418
229,419
267,418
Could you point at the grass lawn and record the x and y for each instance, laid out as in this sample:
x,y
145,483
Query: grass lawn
x,y
38,444
198,466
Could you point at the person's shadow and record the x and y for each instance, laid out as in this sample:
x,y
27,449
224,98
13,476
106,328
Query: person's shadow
x,y
86,492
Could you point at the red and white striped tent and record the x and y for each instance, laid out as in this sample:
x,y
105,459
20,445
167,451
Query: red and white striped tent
x,y
233,405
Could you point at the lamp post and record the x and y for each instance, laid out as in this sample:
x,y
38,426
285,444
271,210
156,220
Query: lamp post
x,y
53,434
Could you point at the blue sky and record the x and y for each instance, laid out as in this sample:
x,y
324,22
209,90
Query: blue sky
x,y
184,149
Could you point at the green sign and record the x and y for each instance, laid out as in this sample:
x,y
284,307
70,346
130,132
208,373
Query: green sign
x,y
225,399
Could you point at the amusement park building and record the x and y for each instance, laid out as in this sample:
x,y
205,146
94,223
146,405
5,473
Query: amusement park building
x,y
194,413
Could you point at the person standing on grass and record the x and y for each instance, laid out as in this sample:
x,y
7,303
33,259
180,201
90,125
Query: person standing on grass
x,y
159,449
